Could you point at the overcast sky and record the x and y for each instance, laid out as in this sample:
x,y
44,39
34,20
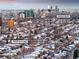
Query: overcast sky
x,y
27,4
51,1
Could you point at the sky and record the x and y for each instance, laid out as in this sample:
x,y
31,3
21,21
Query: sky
x,y
28,4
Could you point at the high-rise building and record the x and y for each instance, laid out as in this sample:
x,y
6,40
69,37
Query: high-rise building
x,y
30,13
49,8
56,8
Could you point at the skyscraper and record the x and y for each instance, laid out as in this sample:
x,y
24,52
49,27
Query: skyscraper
x,y
56,8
